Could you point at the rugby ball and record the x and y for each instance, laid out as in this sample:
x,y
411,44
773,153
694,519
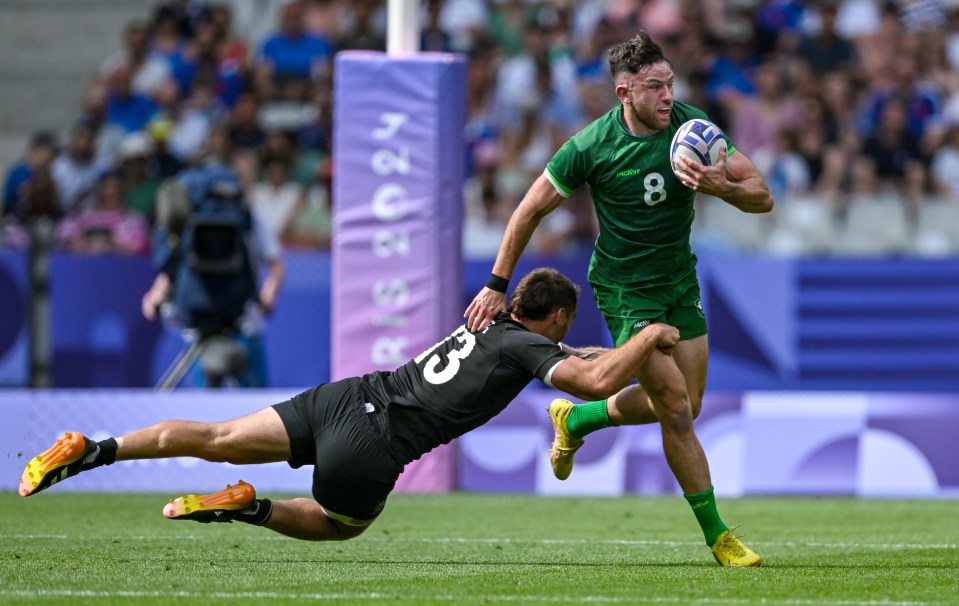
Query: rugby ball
x,y
699,140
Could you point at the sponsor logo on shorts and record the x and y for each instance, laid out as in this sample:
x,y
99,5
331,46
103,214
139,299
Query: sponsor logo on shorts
x,y
699,308
629,172
641,324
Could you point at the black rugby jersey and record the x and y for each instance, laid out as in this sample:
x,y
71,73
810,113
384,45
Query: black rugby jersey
x,y
457,385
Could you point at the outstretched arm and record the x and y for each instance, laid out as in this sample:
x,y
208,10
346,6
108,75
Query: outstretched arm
x,y
610,372
541,199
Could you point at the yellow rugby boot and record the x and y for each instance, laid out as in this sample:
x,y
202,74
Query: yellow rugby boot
x,y
564,446
220,506
730,551
68,456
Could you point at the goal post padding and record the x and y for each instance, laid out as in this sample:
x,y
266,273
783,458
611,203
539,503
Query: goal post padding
x,y
398,161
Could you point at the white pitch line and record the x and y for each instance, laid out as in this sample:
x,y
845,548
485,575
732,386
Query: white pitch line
x,y
470,540
485,598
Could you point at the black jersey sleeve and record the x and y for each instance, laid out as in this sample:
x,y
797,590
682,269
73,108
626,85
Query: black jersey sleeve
x,y
532,352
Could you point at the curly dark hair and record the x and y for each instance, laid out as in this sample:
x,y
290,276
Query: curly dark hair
x,y
635,54
541,292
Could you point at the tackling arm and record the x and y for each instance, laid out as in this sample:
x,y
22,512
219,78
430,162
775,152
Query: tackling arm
x,y
586,353
610,372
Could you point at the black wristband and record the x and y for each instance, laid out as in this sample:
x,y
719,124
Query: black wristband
x,y
497,283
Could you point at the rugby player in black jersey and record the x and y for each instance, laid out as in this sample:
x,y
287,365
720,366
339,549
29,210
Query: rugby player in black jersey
x,y
360,432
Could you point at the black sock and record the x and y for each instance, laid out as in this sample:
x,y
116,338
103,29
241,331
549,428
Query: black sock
x,y
108,452
257,514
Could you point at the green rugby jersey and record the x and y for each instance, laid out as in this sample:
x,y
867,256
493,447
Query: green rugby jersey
x,y
645,213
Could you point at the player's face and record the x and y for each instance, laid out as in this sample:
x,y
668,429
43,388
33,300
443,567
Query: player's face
x,y
647,98
562,321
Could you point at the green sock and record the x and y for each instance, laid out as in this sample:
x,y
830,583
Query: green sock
x,y
587,418
704,508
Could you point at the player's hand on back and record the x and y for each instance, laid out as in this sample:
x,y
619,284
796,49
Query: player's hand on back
x,y
484,307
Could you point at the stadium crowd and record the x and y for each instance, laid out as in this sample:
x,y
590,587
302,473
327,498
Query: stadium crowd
x,y
849,107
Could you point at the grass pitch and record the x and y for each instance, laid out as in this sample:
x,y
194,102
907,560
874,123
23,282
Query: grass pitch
x,y
63,547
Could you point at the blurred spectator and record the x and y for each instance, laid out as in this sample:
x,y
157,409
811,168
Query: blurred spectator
x,y
193,123
363,27
735,64
125,108
93,112
545,119
167,164
38,202
40,198
507,25
857,19
786,168
755,121
315,138
108,226
945,166
188,15
482,125
200,60
775,21
323,17
433,37
660,18
232,49
517,74
139,174
922,101
591,58
243,128
77,170
312,227
827,51
149,70
290,58
40,153
486,210
465,21
167,30
276,200
890,159
921,15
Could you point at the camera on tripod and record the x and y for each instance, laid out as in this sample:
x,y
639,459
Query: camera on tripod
x,y
202,242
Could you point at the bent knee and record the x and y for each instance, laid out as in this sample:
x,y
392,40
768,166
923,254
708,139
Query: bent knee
x,y
675,413
696,406
345,532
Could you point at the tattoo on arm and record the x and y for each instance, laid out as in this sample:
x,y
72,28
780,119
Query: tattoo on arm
x,y
586,353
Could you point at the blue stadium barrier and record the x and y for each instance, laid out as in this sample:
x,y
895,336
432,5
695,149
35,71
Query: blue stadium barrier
x,y
775,324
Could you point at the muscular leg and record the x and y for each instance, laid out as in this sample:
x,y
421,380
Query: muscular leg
x,y
632,406
305,519
667,388
259,437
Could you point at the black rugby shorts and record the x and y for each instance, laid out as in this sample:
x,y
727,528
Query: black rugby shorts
x,y
329,428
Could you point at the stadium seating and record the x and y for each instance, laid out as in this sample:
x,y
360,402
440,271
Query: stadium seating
x,y
937,230
875,226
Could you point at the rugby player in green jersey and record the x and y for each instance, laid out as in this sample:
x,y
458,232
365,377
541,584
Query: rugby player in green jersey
x,y
642,270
